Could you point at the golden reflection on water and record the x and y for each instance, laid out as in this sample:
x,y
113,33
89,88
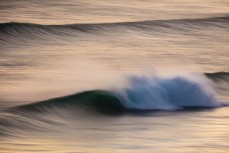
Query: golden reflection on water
x,y
158,132
38,65
97,11
96,61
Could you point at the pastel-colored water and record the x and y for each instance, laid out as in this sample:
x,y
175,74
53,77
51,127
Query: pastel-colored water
x,y
154,54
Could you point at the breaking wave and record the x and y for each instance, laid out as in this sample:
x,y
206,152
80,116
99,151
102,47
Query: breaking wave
x,y
141,94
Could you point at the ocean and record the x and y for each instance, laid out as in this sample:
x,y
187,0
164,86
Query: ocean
x,y
93,76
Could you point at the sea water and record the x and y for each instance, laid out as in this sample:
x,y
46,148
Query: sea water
x,y
114,76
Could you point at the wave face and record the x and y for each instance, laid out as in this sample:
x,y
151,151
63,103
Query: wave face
x,y
142,94
95,100
218,76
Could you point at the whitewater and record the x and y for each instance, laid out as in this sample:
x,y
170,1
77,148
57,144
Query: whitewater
x,y
96,76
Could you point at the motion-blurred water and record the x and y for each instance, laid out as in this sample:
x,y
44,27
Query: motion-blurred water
x,y
153,58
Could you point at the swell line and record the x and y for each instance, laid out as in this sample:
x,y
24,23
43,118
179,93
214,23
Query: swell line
x,y
13,28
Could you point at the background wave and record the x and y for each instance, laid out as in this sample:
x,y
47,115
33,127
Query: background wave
x,y
14,28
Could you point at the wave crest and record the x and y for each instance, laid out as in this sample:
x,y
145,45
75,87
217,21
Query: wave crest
x,y
157,93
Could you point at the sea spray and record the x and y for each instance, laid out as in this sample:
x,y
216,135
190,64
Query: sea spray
x,y
171,93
